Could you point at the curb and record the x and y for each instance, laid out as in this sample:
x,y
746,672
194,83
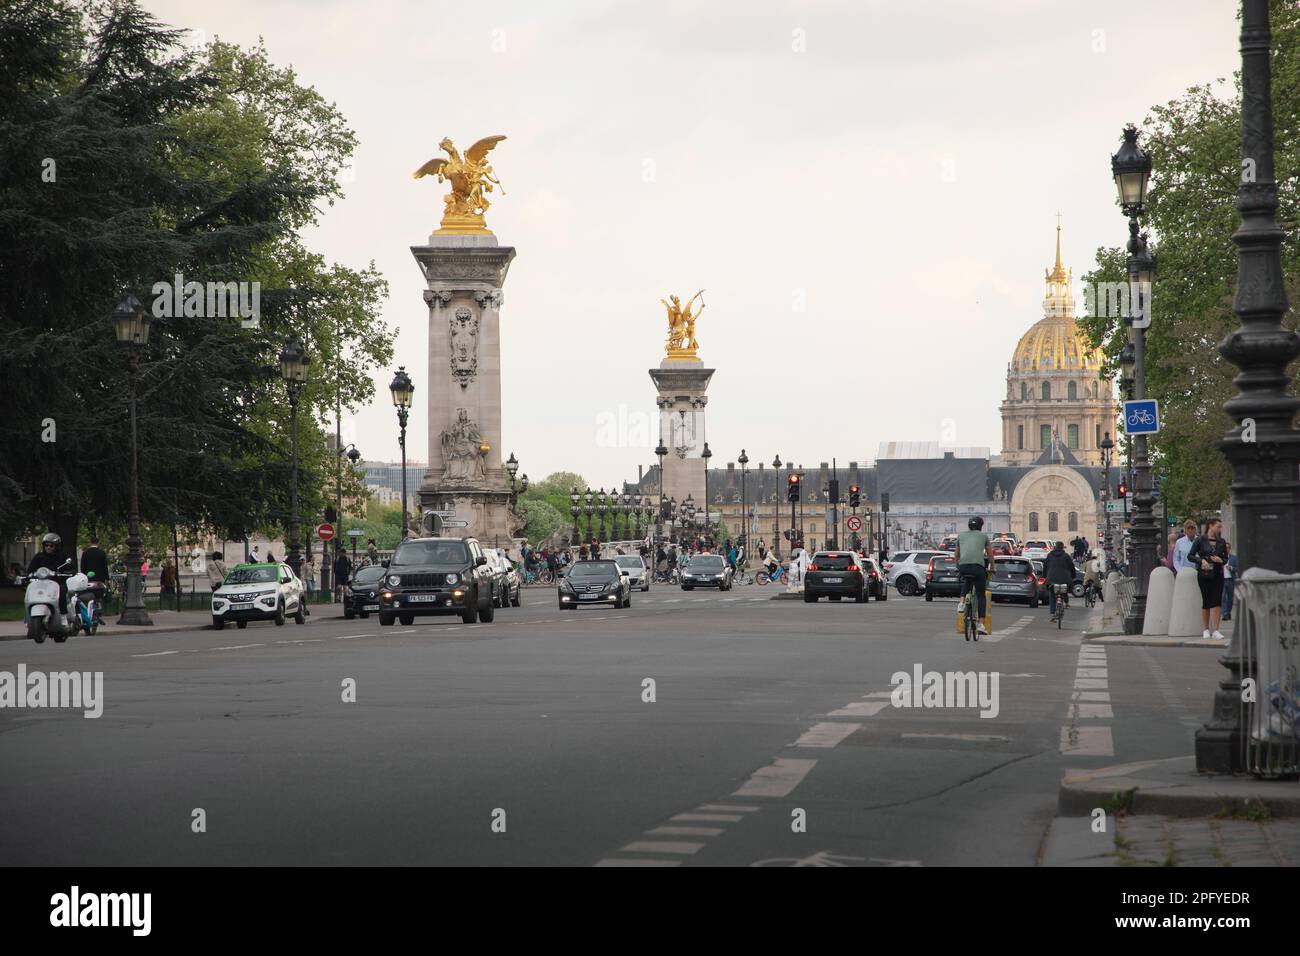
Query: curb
x,y
1172,788
1135,640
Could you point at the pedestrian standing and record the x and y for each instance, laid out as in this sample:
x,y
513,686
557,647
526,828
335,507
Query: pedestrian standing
x,y
1184,545
1229,581
1168,559
1208,554
216,570
342,573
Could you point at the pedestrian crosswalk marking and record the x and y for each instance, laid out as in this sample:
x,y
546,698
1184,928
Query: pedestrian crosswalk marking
x,y
680,847
617,861
826,734
777,779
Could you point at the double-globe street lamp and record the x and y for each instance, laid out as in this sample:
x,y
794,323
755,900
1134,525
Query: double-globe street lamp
x,y
589,497
776,506
706,454
1131,168
574,497
293,369
131,323
1107,448
743,461
402,390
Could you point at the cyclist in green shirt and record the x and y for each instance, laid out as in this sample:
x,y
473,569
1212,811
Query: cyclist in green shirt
x,y
974,555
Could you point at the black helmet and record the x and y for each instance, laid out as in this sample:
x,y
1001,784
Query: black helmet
x,y
976,523
51,538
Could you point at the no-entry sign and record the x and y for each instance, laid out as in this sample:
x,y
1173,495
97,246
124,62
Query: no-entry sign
x,y
853,523
325,531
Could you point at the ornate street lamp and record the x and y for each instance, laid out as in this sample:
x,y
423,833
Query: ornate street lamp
x,y
743,461
602,502
588,498
574,498
671,518
512,468
638,503
1107,448
131,323
293,369
661,451
706,455
776,506
354,455
402,390
1265,489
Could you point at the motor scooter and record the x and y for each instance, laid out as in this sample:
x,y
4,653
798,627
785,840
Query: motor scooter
x,y
83,604
41,606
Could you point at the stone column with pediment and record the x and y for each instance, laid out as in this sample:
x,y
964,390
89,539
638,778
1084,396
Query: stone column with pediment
x,y
682,385
463,277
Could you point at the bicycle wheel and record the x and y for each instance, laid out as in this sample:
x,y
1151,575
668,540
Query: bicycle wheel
x,y
761,577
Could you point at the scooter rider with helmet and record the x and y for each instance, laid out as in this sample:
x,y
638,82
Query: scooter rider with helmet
x,y
51,556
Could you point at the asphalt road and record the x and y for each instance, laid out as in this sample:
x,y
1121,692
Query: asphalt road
x,y
529,742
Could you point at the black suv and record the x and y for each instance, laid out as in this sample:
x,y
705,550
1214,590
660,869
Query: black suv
x,y
437,576
835,574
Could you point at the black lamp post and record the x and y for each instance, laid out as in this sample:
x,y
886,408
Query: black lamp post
x,y
776,506
1107,447
671,508
587,498
1265,487
353,456
402,390
706,455
512,468
743,461
1131,167
660,451
131,323
574,498
293,369
600,510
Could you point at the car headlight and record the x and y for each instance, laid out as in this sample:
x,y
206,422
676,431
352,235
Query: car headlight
x,y
394,580
452,579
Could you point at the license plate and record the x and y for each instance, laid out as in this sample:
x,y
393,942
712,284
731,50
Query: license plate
x,y
834,580
370,607
242,607
422,598
588,597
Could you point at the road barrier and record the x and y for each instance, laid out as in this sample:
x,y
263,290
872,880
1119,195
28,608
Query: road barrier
x,y
1125,591
1266,642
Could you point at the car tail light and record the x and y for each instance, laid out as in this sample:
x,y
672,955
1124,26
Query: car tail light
x,y
813,567
1042,580
853,567
874,575
929,574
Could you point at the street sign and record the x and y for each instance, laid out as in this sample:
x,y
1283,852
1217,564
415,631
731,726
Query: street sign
x,y
325,531
1115,507
853,523
452,523
442,514
1142,417
355,533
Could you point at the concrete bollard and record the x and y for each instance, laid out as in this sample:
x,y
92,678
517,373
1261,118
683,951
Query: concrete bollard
x,y
1160,597
1185,618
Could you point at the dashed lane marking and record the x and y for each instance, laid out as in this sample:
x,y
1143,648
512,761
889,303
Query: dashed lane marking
x,y
861,708
156,654
825,734
617,861
685,831
725,808
709,817
237,647
679,847
777,780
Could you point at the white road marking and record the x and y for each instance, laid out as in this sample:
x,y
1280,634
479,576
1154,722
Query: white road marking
x,y
825,734
1091,672
156,654
1087,742
980,737
1094,711
411,631
860,708
777,780
1091,695
879,695
237,647
615,861
725,808
309,640
679,847
1090,683
708,818
685,831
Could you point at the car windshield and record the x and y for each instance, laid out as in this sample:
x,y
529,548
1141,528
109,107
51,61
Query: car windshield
x,y
706,562
627,561
833,562
593,569
943,562
371,575
260,575
1014,566
431,552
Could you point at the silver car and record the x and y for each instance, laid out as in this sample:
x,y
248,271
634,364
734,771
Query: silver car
x,y
638,575
906,570
506,577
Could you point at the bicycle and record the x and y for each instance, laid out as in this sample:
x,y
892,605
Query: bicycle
x,y
767,577
971,620
1089,594
1062,592
543,576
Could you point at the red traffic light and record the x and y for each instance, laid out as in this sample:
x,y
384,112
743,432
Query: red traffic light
x,y
1123,490
854,489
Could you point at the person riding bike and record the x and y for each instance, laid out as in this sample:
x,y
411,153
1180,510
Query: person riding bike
x,y
1058,568
1092,575
974,555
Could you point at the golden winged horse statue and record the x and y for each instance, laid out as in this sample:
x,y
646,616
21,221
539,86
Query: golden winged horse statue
x,y
471,180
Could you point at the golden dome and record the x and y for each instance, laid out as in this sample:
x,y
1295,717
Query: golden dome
x,y
1052,344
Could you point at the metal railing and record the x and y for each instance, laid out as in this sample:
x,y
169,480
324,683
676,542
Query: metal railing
x,y
1125,590
1266,642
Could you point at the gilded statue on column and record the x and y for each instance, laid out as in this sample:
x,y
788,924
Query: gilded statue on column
x,y
681,326
471,178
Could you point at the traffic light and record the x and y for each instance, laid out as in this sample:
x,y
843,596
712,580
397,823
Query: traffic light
x,y
331,515
1123,490
884,502
792,488
855,496
833,491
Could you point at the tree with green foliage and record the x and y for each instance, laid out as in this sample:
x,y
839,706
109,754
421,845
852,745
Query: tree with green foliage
x,y
1194,143
124,161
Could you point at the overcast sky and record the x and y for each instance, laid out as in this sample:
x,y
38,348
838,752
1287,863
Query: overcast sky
x,y
867,190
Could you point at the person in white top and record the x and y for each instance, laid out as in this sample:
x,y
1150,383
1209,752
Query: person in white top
x,y
1184,545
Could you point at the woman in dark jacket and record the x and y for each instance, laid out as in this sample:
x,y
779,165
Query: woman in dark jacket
x,y
1058,568
1208,555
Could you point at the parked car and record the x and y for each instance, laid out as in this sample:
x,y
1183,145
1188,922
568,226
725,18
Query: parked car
x,y
361,594
906,571
706,571
835,574
259,592
638,575
942,578
1014,579
432,576
594,583
505,591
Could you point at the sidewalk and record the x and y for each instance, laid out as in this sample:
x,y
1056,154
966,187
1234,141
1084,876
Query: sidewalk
x,y
1163,813
1094,634
164,622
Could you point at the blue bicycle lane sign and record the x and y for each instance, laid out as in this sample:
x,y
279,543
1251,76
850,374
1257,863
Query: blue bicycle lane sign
x,y
1142,417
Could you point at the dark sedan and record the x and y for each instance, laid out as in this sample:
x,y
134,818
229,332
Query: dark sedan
x,y
942,578
361,594
836,575
594,583
706,571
